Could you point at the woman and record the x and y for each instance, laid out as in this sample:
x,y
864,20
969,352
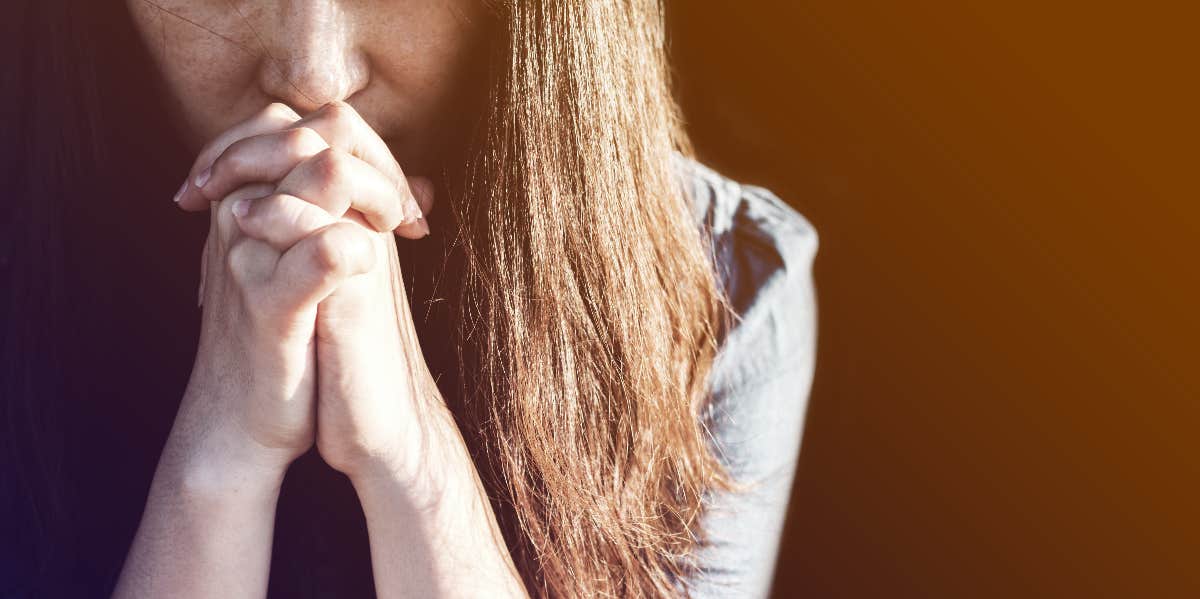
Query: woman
x,y
458,280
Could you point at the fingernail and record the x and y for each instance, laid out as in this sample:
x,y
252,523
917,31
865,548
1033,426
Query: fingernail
x,y
202,178
179,194
424,224
412,212
241,207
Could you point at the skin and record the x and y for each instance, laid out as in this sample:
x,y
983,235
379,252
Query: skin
x,y
307,170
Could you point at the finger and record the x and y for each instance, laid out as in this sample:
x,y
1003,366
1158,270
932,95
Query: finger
x,y
279,219
264,158
317,264
251,262
339,181
421,189
226,223
274,117
345,129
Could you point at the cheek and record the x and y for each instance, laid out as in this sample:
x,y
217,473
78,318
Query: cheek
x,y
203,68
421,47
431,75
205,99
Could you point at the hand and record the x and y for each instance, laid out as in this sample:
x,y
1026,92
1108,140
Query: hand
x,y
250,401
380,419
377,401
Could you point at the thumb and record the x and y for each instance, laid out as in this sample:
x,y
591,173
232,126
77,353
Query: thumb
x,y
314,267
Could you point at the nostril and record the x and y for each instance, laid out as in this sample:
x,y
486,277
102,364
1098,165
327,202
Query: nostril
x,y
320,84
310,82
310,57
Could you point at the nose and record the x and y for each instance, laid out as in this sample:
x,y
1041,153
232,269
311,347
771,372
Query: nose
x,y
311,55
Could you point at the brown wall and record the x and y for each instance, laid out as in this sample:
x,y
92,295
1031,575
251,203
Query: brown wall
x,y
1007,400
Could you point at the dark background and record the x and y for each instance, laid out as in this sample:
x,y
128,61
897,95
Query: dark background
x,y
1007,393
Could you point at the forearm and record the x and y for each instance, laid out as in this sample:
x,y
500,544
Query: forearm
x,y
440,541
206,530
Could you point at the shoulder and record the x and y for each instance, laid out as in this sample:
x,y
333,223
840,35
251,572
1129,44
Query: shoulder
x,y
748,212
763,251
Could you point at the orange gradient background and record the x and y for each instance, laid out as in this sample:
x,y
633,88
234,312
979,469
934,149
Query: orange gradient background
x,y
1007,399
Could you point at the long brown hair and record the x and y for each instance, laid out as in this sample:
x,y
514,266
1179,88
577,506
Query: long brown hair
x,y
590,301
589,308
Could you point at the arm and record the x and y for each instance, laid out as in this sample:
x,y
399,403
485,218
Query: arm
x,y
444,543
380,419
207,527
249,410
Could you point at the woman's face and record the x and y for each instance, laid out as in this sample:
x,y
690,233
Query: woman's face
x,y
405,65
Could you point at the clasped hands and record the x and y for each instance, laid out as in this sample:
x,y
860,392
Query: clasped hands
x,y
306,335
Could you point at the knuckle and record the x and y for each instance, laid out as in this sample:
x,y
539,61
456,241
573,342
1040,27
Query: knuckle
x,y
237,260
329,252
233,160
303,141
245,262
330,164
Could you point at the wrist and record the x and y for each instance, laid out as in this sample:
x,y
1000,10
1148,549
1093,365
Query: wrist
x,y
431,463
437,501
446,526
223,483
218,464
